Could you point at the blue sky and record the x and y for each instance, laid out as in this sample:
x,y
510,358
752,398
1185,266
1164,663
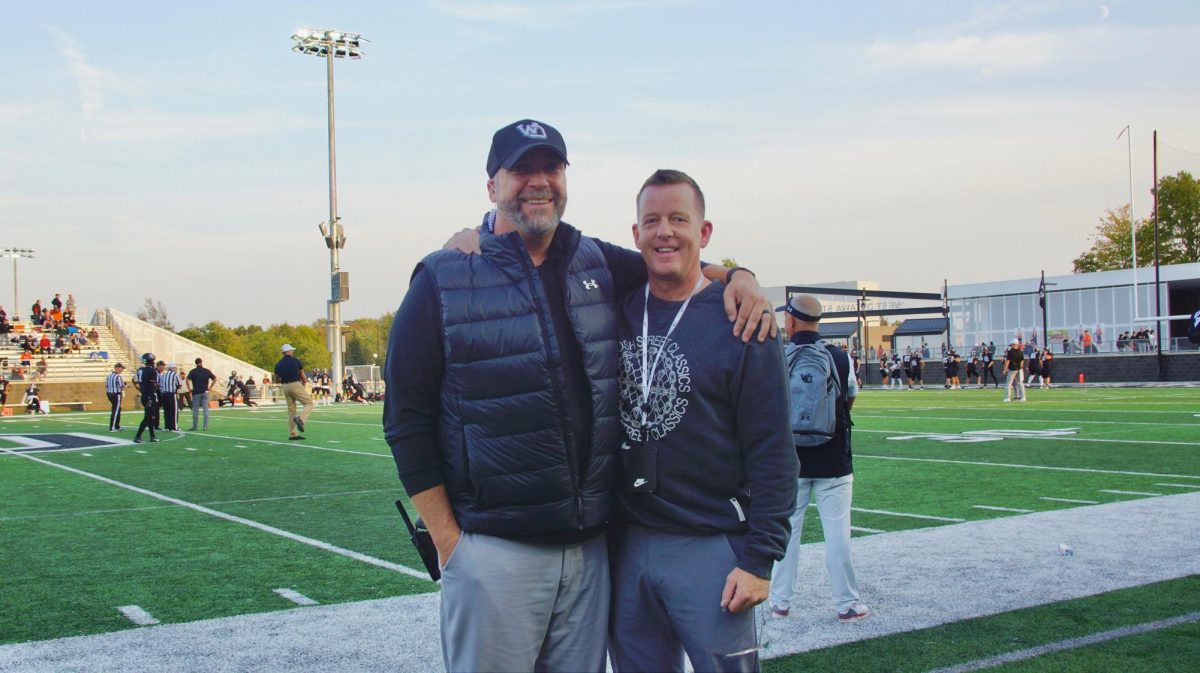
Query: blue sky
x,y
177,150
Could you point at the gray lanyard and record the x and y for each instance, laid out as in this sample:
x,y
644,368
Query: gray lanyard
x,y
648,375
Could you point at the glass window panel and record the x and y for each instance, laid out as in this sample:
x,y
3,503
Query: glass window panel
x,y
1087,308
1071,319
1122,299
1012,321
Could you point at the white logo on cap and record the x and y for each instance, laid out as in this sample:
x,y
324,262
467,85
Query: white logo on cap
x,y
591,284
532,130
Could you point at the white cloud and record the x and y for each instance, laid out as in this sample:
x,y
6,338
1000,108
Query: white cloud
x,y
150,124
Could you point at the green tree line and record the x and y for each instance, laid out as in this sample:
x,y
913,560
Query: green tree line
x,y
1178,230
366,341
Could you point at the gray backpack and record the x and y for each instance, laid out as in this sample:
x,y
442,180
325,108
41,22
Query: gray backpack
x,y
814,390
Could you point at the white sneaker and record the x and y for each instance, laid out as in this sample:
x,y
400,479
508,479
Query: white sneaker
x,y
1006,400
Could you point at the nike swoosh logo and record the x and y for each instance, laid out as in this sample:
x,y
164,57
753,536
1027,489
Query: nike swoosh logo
x,y
639,482
626,446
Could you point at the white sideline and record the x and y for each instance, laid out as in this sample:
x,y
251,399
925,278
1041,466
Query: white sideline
x,y
357,556
911,580
296,597
1070,644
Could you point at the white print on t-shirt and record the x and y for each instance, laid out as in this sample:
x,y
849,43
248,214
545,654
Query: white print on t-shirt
x,y
672,378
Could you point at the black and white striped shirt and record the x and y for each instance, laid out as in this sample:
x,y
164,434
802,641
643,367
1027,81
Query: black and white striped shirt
x,y
114,383
169,382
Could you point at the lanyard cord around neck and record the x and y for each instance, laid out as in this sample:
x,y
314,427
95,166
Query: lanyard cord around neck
x,y
648,375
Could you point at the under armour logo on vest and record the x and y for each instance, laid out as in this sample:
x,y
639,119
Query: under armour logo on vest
x,y
591,284
532,130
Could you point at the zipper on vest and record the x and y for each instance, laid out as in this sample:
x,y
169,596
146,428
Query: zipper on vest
x,y
564,426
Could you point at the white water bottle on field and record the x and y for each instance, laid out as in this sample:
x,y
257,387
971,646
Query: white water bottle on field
x,y
1065,550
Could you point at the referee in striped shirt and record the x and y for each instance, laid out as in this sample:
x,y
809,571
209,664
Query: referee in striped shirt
x,y
114,385
168,386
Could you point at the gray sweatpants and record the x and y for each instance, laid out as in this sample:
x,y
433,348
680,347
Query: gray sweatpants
x,y
514,606
667,600
199,401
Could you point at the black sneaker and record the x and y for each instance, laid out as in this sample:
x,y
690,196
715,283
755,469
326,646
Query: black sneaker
x,y
296,437
300,424
137,440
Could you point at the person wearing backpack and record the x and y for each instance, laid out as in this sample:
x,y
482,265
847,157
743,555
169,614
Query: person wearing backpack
x,y
822,393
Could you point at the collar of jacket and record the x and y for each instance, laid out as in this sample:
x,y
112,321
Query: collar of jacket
x,y
509,251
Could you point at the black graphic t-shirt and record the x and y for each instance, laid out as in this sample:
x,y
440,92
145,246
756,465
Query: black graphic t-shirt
x,y
717,418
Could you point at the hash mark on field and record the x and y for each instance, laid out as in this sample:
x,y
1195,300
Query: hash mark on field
x,y
1109,490
137,615
861,529
1080,502
86,454
1002,509
911,516
296,597
1181,485
188,448
334,441
1070,644
138,451
239,446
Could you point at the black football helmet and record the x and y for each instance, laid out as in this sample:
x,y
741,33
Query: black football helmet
x,y
148,359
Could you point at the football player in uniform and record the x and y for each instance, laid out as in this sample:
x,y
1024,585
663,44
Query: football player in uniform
x,y
146,380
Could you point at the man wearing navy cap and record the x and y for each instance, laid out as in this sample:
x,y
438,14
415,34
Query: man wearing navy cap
x,y
502,415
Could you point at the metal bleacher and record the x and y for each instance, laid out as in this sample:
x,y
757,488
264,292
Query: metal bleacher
x,y
90,363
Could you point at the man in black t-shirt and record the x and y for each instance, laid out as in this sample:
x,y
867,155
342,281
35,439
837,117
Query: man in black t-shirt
x,y
199,381
1014,362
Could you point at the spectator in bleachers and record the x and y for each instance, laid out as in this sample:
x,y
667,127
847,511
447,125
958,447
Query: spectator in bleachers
x,y
57,301
44,345
42,368
71,303
93,337
35,312
26,357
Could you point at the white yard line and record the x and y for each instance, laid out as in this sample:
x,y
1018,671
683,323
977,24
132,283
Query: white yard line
x,y
919,434
1070,644
861,529
1028,467
325,546
1180,485
1003,509
137,615
1109,490
928,517
1072,500
296,597
1056,419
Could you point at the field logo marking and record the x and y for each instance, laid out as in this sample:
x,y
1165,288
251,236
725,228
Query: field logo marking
x,y
62,441
137,615
976,436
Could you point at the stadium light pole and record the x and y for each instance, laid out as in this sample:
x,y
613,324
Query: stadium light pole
x,y
331,44
16,253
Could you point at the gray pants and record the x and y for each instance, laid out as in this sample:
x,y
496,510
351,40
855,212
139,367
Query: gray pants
x,y
199,401
513,606
667,600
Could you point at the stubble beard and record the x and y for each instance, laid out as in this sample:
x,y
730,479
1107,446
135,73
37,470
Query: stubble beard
x,y
534,225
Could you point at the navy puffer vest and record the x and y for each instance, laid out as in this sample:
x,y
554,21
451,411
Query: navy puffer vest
x,y
507,456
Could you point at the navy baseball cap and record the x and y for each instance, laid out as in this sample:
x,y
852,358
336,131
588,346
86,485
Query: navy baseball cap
x,y
794,310
511,143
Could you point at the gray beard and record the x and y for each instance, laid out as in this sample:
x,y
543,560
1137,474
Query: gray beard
x,y
533,226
